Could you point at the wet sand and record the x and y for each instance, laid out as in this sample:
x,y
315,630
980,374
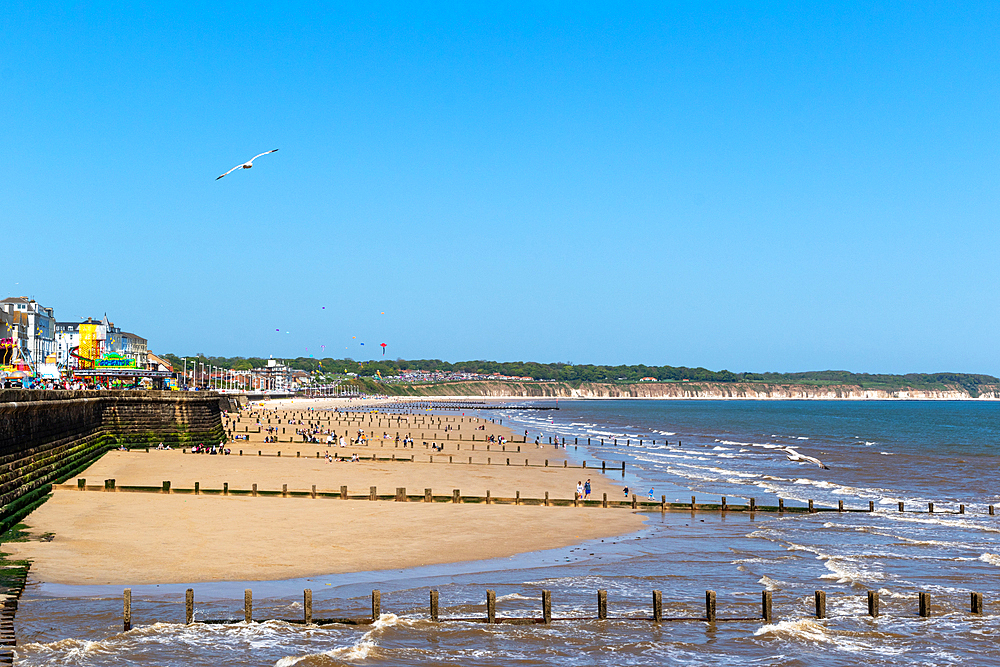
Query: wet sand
x,y
132,538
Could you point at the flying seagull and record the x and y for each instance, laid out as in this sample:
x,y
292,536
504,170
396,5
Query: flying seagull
x,y
247,164
793,455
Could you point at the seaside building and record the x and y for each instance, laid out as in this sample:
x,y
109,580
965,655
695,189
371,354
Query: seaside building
x,y
157,363
30,332
134,347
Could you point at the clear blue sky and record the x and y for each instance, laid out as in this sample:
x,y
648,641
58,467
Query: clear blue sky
x,y
752,186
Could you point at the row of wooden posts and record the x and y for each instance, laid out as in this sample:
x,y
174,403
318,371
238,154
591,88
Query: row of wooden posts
x,y
412,459
711,611
513,439
456,496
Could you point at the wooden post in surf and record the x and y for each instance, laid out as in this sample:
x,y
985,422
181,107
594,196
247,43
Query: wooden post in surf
x,y
961,509
127,609
657,607
723,503
977,603
663,504
840,505
871,505
307,606
900,505
766,607
376,605
991,510
753,504
189,606
434,606
930,508
873,604
633,501
781,504
924,602
710,606
248,606
820,604
602,604
491,606
692,504
546,607
812,510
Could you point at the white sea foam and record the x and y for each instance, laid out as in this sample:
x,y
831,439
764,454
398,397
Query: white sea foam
x,y
992,559
804,628
359,650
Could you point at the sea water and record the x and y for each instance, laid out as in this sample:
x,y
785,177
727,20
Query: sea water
x,y
884,452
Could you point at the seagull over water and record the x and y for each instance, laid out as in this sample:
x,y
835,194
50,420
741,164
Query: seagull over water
x,y
248,163
793,455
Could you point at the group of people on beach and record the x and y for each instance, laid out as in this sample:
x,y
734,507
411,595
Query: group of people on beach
x,y
583,489
204,449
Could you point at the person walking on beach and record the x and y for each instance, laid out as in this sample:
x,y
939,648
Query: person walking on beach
x,y
579,489
626,491
586,489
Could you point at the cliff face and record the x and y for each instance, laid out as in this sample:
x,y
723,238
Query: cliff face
x,y
690,390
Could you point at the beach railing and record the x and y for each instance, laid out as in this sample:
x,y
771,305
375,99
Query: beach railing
x,y
656,615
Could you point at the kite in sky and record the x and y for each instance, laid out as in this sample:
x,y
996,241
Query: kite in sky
x,y
383,349
248,164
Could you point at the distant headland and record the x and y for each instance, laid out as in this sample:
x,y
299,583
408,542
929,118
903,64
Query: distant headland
x,y
519,379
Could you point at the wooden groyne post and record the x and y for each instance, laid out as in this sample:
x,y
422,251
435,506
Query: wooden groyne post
x,y
127,609
189,606
307,606
248,606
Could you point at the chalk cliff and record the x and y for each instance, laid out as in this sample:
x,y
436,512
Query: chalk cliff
x,y
689,390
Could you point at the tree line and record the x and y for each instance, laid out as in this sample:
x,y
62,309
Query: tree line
x,y
576,373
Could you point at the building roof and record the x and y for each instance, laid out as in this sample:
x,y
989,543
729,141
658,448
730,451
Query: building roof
x,y
132,335
17,299
156,359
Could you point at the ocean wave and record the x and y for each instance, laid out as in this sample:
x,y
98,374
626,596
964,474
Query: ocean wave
x,y
992,559
802,629
361,649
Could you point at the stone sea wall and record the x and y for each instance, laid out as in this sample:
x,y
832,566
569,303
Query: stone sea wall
x,y
47,437
691,390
